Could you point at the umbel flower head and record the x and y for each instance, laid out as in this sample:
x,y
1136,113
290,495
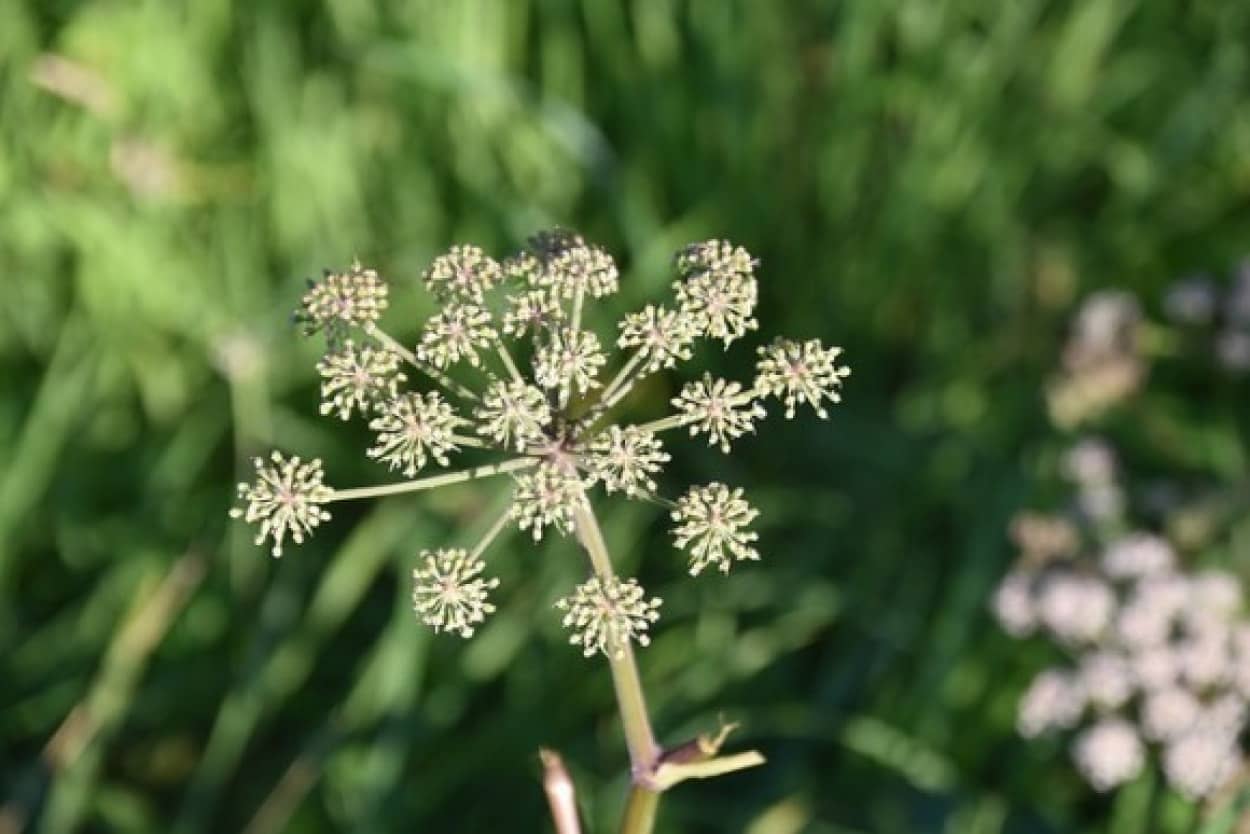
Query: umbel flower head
x,y
465,273
341,300
607,614
449,592
510,371
714,522
413,429
286,498
359,379
1158,658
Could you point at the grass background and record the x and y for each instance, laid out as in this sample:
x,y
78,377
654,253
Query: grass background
x,y
932,184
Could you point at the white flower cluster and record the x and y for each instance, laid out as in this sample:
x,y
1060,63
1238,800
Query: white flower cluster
x,y
530,385
413,429
1102,360
605,615
287,498
449,593
1091,466
341,300
1221,314
1161,657
358,379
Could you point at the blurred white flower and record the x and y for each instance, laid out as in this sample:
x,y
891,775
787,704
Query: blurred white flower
x,y
1076,609
1166,593
1216,592
1043,537
1090,461
1106,679
1155,666
1200,762
1013,604
1137,554
1225,713
1054,700
1142,625
1169,712
1191,300
1205,659
1109,754
1232,349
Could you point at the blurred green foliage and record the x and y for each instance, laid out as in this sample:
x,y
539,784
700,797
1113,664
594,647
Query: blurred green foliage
x,y
930,183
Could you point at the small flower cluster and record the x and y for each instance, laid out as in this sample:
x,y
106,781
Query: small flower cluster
x,y
532,387
449,592
287,498
1107,355
1197,303
1091,467
605,615
1102,360
1159,656
342,300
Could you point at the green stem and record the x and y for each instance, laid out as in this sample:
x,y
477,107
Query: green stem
x,y
617,388
619,379
644,752
506,358
651,771
674,420
493,532
664,424
640,811
435,481
429,370
578,297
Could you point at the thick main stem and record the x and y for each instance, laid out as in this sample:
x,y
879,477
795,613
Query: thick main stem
x,y
640,811
644,752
